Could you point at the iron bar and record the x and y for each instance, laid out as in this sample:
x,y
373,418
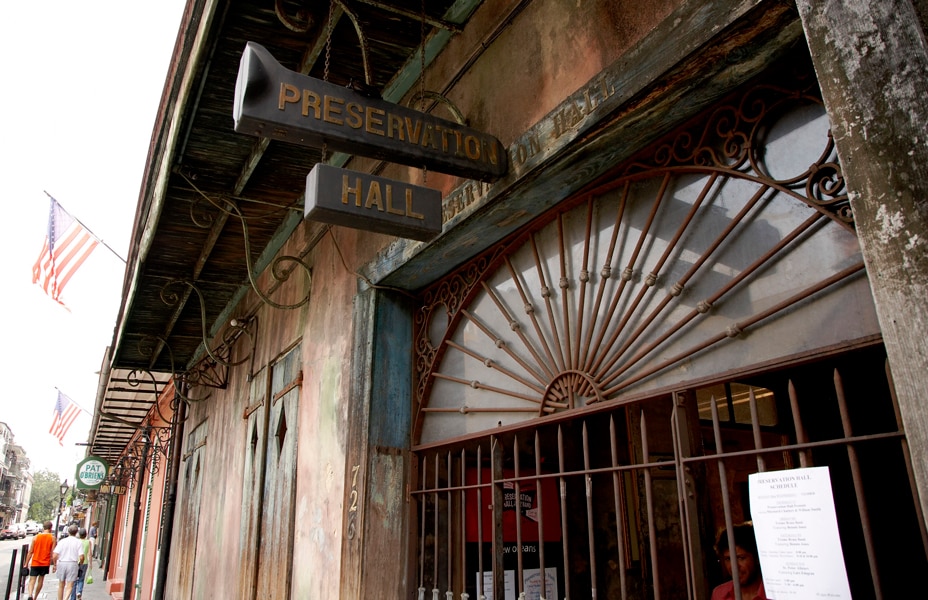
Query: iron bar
x,y
618,491
560,360
584,280
529,309
726,500
491,364
649,499
565,531
706,304
858,486
652,278
496,475
605,274
517,505
801,435
464,521
450,526
481,595
590,532
435,533
755,430
675,429
626,276
541,521
736,328
422,549
564,285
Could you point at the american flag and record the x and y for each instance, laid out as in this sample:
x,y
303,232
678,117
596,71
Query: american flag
x,y
66,411
67,246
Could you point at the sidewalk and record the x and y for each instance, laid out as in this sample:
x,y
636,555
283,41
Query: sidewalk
x,y
92,591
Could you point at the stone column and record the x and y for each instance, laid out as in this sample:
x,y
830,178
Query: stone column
x,y
872,65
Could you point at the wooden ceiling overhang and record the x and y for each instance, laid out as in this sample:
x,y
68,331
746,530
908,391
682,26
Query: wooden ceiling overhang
x,y
189,263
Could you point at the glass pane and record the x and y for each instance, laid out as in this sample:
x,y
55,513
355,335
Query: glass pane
x,y
766,404
704,399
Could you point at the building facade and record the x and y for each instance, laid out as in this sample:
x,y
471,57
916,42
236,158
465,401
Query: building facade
x,y
15,479
705,262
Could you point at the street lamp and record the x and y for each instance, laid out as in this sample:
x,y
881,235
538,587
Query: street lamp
x,y
62,489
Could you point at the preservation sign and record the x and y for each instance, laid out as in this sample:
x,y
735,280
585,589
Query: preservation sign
x,y
797,534
274,102
90,473
362,201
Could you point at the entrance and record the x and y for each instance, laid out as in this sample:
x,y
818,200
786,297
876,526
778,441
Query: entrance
x,y
640,491
699,315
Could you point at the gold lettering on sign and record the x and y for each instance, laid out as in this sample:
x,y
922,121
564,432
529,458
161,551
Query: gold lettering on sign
x,y
336,110
591,96
376,196
523,150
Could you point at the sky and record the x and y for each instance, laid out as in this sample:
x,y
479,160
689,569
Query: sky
x,y
81,88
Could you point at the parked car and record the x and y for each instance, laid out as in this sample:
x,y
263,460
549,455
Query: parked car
x,y
13,531
33,528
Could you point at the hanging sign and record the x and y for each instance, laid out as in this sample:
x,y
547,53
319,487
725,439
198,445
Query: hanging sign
x,y
362,201
798,541
274,102
117,490
90,473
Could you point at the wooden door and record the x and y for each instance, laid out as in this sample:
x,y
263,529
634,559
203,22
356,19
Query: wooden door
x,y
277,519
256,413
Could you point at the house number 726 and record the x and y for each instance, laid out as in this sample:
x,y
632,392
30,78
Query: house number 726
x,y
353,502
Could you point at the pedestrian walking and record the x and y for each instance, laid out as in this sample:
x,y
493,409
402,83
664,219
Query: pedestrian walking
x,y
82,569
67,556
39,560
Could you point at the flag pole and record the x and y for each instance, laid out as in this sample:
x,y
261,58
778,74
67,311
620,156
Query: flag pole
x,y
95,236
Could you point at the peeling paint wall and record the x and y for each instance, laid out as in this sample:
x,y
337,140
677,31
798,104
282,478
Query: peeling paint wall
x,y
872,64
522,69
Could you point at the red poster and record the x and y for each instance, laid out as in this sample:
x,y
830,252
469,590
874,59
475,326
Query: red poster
x,y
530,509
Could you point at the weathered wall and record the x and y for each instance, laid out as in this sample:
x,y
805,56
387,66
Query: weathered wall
x,y
872,63
519,67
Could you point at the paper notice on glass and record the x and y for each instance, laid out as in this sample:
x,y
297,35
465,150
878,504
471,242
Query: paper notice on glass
x,y
531,585
509,585
797,534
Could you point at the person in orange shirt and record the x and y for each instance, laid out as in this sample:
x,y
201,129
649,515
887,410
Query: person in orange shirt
x,y
39,559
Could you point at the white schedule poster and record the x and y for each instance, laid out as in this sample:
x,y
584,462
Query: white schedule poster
x,y
797,534
531,586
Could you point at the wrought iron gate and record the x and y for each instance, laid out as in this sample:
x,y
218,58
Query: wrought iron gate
x,y
566,440
626,501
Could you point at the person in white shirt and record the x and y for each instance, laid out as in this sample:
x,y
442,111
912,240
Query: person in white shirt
x,y
67,556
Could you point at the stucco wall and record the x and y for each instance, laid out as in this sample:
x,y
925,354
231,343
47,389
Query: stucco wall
x,y
506,75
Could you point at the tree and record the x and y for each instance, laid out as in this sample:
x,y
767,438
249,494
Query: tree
x,y
46,490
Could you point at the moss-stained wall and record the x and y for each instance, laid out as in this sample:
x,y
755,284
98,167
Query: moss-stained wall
x,y
516,68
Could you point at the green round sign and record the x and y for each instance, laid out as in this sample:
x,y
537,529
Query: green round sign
x,y
91,472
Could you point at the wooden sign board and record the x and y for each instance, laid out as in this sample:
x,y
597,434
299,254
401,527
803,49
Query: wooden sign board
x,y
118,490
362,201
274,102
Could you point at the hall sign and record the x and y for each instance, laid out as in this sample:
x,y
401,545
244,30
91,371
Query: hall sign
x,y
274,102
351,199
90,473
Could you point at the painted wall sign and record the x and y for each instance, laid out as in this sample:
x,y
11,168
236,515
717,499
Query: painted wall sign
x,y
90,473
362,201
275,102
